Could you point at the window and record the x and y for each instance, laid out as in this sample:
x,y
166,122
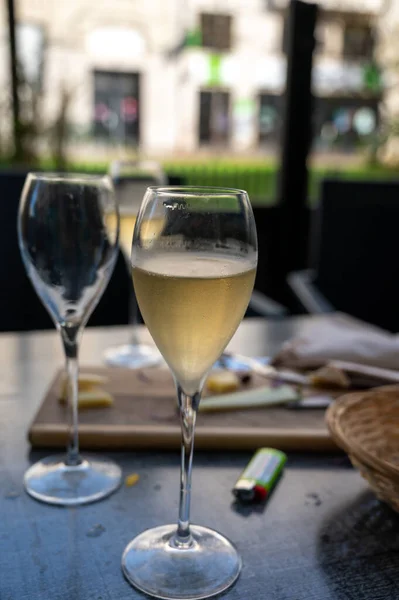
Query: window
x,y
116,106
216,31
339,123
214,118
343,123
358,41
270,119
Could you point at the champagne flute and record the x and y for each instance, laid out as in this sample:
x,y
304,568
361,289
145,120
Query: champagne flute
x,y
69,249
131,179
193,284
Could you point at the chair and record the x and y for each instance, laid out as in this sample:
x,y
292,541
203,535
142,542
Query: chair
x,y
263,306
354,253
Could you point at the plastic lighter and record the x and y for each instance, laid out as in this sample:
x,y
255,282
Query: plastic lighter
x,y
260,475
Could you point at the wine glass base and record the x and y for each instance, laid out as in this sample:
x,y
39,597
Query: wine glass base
x,y
52,481
133,356
153,565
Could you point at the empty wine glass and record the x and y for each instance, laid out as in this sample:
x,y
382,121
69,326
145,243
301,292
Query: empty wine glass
x,y
131,179
193,282
69,246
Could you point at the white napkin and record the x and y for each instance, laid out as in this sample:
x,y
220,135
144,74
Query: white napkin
x,y
340,337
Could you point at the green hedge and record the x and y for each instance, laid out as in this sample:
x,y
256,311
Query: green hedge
x,y
258,178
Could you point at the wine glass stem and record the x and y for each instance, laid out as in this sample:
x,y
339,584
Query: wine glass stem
x,y
70,342
188,410
133,318
133,306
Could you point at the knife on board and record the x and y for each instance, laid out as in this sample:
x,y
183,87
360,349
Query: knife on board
x,y
358,375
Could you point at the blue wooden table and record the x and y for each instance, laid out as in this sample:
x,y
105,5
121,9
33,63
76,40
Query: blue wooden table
x,y
322,535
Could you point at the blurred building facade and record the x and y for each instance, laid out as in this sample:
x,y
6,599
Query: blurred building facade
x,y
176,76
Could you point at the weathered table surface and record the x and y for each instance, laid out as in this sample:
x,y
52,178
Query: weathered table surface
x,y
322,535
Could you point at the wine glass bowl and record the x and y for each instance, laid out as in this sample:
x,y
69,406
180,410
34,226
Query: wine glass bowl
x,y
68,246
193,282
62,243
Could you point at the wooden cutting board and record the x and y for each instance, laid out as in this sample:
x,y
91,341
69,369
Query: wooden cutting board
x,y
145,416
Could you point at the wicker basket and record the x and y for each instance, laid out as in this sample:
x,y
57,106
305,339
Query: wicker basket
x,y
366,426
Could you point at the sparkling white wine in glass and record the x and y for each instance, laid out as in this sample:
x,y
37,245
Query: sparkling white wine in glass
x,y
150,230
127,222
192,304
131,179
193,282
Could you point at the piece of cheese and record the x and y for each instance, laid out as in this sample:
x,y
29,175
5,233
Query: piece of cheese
x,y
94,399
329,376
221,382
86,383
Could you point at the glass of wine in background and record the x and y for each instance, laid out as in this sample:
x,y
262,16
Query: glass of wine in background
x,y
130,180
69,246
193,283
